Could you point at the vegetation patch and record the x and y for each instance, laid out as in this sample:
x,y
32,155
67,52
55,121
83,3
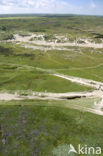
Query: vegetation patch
x,y
5,51
6,36
40,130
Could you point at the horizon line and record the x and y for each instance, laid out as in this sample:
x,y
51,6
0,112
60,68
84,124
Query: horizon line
x,y
49,14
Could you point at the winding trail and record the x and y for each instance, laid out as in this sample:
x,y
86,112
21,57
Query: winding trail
x,y
98,92
43,45
45,96
82,81
60,96
86,82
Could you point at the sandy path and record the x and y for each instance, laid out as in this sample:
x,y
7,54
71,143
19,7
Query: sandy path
x,y
85,109
86,82
86,45
61,96
39,47
51,96
9,97
83,81
98,93
44,96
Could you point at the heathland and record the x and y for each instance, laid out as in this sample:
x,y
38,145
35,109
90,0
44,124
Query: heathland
x,y
51,83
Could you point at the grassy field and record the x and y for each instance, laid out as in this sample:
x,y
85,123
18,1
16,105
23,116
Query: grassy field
x,y
81,62
23,79
42,126
18,72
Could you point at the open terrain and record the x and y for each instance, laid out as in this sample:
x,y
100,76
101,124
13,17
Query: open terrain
x,y
51,83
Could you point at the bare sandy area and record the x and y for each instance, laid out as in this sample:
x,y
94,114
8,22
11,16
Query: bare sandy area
x,y
9,97
54,44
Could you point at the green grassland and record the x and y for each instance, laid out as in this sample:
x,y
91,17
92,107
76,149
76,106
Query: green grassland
x,y
88,64
81,62
23,79
18,72
42,126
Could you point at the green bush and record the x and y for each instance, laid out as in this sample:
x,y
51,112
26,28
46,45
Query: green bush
x,y
6,36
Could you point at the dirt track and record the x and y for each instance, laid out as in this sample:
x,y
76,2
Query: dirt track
x,y
62,96
44,96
